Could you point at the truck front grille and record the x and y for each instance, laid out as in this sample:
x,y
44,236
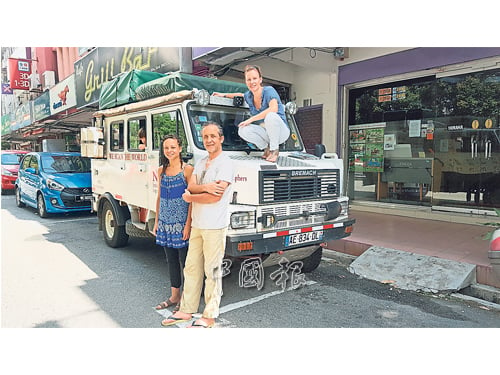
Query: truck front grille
x,y
295,209
297,185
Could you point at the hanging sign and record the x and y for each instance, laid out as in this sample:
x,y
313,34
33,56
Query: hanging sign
x,y
19,74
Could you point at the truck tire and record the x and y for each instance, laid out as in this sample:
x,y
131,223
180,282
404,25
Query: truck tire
x,y
114,235
312,262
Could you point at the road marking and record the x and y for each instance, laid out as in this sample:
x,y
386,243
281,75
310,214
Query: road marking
x,y
233,306
67,220
237,305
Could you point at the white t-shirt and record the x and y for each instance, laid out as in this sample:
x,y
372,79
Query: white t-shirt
x,y
213,215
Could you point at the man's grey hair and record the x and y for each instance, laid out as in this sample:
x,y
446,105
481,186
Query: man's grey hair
x,y
221,132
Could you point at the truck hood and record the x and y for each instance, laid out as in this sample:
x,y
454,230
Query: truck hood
x,y
292,178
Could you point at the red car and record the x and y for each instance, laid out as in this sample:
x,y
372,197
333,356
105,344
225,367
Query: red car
x,y
10,166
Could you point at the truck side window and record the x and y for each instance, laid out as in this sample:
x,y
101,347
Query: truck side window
x,y
133,139
117,137
168,123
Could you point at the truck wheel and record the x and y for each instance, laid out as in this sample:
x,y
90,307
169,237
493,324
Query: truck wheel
x,y
40,205
312,262
18,198
114,235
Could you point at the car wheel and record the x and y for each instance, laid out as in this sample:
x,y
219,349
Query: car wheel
x,y
115,235
40,205
18,198
312,262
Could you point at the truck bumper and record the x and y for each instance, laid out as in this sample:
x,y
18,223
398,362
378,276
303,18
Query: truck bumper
x,y
286,240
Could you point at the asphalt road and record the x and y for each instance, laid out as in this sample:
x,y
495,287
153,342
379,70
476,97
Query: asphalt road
x,y
63,270
58,272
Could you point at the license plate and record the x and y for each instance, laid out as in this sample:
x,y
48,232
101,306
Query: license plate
x,y
300,238
80,198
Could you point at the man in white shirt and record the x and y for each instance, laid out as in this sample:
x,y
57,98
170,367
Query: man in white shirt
x,y
209,191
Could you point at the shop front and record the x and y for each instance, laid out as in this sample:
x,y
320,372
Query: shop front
x,y
431,140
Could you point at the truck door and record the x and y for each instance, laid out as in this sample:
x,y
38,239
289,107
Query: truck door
x,y
136,168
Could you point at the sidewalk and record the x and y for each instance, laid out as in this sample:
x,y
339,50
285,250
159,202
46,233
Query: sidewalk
x,y
456,237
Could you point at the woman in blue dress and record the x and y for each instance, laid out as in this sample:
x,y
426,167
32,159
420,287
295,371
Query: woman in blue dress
x,y
173,214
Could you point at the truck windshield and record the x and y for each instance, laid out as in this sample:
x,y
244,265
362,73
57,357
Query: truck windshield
x,y
229,118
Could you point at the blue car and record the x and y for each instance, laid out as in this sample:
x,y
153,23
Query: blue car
x,y
54,182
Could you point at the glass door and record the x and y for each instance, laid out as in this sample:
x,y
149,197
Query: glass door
x,y
466,167
466,170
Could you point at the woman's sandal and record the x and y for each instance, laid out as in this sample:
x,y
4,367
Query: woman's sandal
x,y
176,308
166,304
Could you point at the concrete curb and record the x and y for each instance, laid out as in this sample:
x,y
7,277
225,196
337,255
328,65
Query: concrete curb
x,y
484,294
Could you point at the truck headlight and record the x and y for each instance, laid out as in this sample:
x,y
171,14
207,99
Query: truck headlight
x,y
53,185
202,97
291,108
243,219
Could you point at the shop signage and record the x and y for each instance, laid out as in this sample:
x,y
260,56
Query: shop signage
x,y
6,121
366,147
22,116
63,95
389,94
19,74
6,89
41,107
103,63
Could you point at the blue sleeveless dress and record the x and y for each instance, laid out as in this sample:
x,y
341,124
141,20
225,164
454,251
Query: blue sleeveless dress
x,y
173,211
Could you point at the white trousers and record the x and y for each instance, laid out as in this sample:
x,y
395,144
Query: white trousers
x,y
271,133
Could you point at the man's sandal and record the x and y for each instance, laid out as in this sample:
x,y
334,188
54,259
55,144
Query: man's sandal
x,y
171,320
201,324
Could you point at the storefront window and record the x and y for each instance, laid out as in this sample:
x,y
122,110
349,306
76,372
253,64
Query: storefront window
x,y
428,141
389,147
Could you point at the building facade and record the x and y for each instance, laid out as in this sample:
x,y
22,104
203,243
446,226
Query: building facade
x,y
416,126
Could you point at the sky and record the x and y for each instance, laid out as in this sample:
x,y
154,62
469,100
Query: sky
x,y
224,23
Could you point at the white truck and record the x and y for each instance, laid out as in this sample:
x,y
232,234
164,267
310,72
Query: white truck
x,y
286,209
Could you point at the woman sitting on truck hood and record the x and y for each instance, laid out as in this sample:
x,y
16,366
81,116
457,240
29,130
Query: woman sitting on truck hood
x,y
267,127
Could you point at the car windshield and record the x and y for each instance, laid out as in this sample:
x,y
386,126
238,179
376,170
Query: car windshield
x,y
65,164
229,118
11,159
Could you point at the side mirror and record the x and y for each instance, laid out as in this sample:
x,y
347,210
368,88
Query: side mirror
x,y
319,150
187,157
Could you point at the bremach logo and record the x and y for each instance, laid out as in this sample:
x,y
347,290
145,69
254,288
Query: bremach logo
x,y
311,172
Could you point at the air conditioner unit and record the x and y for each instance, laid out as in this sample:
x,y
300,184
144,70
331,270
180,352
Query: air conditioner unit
x,y
49,79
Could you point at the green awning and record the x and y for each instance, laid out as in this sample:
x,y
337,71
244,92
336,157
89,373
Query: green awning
x,y
177,81
122,89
